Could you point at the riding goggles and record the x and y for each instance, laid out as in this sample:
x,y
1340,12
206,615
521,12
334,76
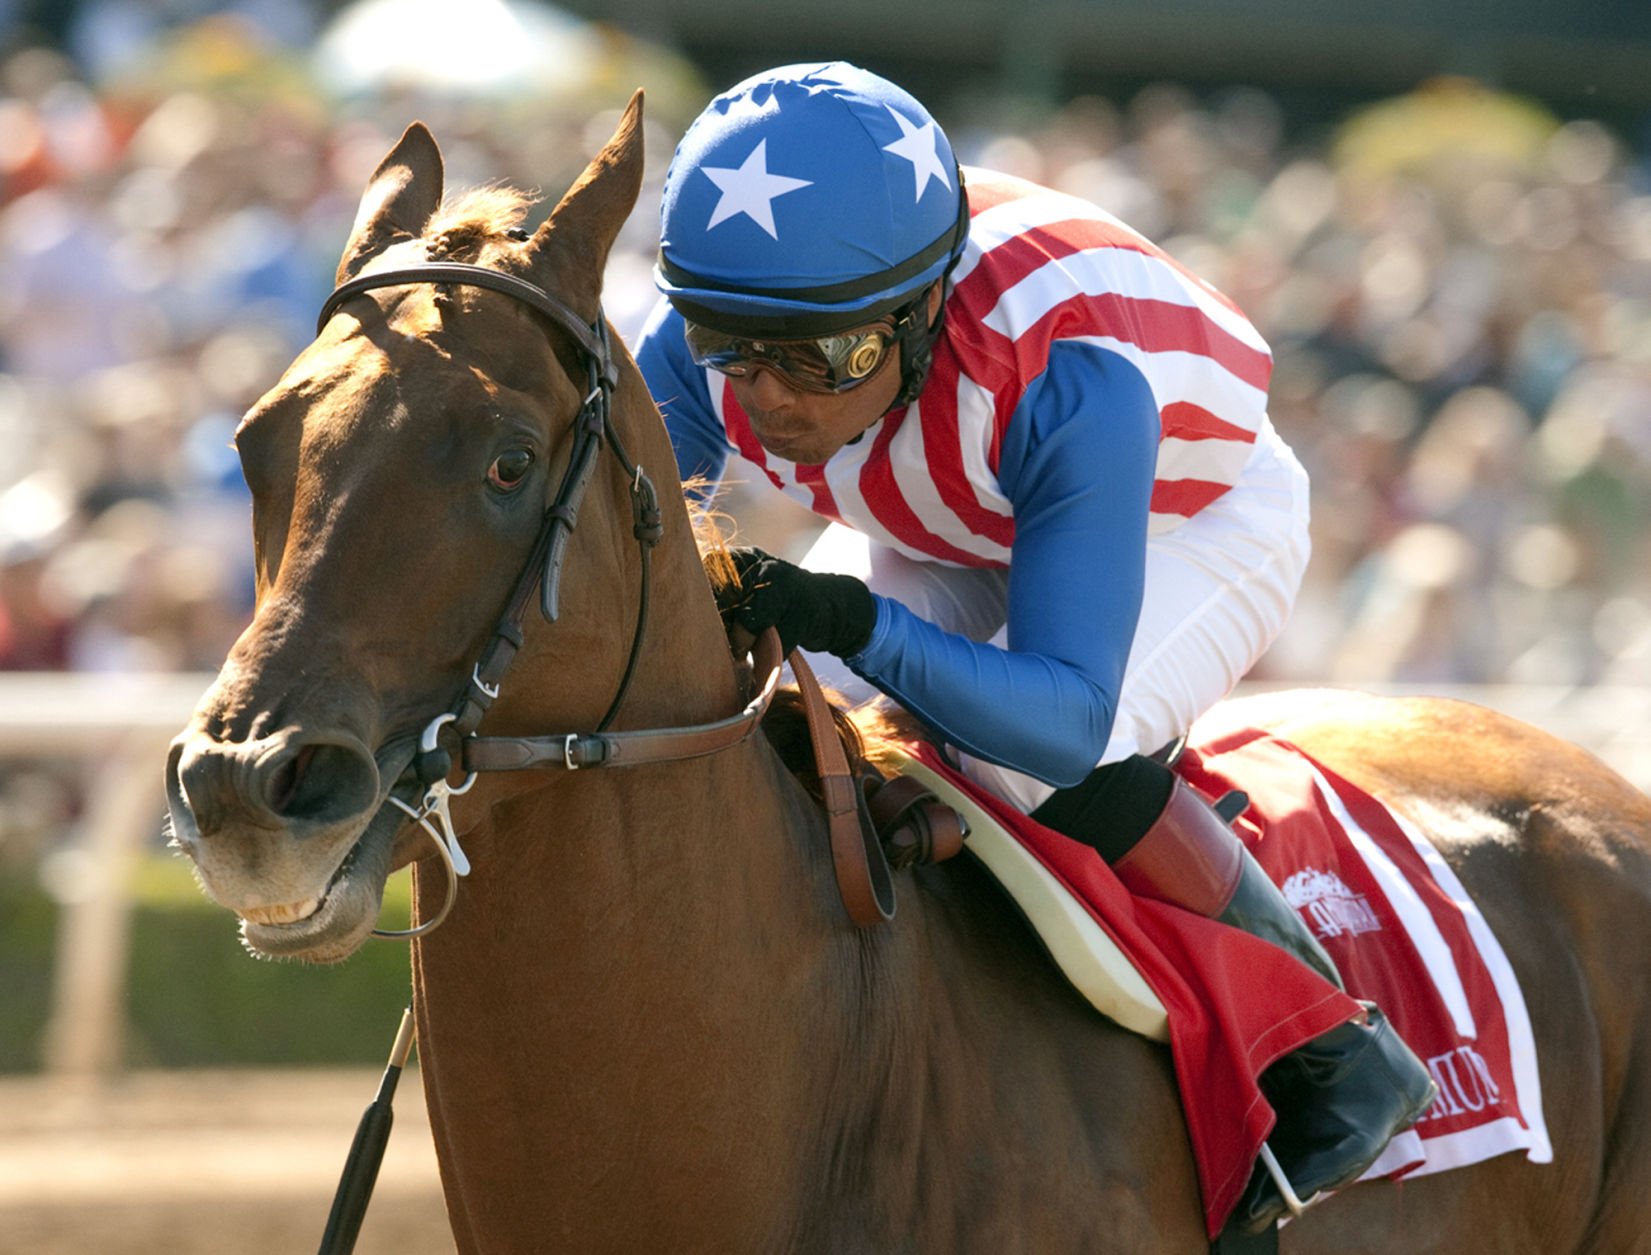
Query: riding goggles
x,y
833,364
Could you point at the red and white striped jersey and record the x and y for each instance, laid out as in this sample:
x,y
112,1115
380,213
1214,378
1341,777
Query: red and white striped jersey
x,y
1039,267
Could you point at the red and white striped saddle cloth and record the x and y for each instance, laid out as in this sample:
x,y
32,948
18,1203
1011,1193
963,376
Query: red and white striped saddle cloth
x,y
1404,934
1387,907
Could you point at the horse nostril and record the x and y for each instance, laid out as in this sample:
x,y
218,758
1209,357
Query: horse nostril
x,y
284,783
323,782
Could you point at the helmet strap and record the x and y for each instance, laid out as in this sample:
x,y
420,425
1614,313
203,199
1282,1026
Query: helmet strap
x,y
916,336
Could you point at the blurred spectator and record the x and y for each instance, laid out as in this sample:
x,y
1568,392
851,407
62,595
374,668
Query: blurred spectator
x,y
34,635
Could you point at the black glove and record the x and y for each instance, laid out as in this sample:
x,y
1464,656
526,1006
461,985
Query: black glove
x,y
833,614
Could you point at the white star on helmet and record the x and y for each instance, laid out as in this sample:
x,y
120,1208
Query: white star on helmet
x,y
919,145
750,190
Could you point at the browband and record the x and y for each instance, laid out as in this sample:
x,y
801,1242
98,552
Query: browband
x,y
480,277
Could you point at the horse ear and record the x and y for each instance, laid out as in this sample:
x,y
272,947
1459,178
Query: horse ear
x,y
400,198
570,250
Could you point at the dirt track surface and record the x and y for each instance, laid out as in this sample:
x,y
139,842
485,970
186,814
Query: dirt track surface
x,y
187,1163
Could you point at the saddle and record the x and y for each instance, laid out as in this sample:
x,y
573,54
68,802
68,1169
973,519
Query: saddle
x,y
881,824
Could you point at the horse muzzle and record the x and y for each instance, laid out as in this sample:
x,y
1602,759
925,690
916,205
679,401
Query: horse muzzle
x,y
290,831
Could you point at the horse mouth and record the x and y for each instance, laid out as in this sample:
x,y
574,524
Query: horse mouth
x,y
329,926
293,913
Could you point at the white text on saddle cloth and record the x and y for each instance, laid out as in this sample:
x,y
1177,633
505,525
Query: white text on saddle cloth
x,y
1465,1083
1331,908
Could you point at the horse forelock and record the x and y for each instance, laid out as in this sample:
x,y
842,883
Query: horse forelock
x,y
469,221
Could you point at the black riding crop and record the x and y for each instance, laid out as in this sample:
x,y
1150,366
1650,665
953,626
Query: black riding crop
x,y
355,1186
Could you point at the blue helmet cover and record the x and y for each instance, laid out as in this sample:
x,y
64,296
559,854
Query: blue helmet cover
x,y
813,195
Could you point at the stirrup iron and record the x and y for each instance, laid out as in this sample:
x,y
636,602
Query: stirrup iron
x,y
1286,1191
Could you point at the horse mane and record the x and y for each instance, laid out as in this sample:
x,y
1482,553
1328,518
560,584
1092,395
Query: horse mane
x,y
867,733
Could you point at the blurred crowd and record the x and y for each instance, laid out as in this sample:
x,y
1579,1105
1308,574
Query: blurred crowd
x,y
1456,284
1457,289
166,238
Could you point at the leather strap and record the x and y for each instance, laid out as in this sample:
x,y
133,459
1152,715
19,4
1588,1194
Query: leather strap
x,y
479,277
576,750
863,876
913,825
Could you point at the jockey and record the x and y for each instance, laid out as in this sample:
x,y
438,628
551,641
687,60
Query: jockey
x,y
1063,526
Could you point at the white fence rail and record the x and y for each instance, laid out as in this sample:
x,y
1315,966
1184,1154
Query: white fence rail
x,y
118,728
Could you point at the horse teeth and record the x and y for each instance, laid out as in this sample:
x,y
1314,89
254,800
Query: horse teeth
x,y
291,913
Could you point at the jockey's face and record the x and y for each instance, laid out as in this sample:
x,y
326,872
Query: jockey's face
x,y
809,427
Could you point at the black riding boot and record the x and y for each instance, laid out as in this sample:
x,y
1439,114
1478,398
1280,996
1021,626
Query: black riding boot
x,y
1340,1097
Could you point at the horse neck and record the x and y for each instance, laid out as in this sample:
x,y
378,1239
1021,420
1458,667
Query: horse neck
x,y
648,1025
620,924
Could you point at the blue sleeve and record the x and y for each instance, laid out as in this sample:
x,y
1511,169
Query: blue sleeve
x,y
679,389
1077,464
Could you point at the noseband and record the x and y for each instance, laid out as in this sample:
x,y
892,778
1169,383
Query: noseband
x,y
454,731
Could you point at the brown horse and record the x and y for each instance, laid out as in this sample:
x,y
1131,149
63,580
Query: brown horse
x,y
648,1024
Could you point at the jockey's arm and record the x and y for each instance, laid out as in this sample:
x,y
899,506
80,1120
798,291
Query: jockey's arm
x,y
1077,464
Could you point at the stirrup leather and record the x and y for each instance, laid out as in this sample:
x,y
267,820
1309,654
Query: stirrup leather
x,y
877,826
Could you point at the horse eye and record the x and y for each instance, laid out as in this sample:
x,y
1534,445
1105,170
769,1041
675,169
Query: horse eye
x,y
510,468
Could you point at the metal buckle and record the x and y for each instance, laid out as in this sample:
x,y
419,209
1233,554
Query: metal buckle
x,y
434,818
489,691
567,752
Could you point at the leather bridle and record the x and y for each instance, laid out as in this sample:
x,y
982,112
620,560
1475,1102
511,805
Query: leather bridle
x,y
592,426
454,731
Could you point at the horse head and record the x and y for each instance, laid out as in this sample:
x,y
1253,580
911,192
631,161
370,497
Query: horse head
x,y
400,471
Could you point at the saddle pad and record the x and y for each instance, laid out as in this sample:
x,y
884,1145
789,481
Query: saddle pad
x,y
1230,1004
1404,933
1081,948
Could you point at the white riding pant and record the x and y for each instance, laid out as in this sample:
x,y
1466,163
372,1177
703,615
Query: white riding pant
x,y
1218,591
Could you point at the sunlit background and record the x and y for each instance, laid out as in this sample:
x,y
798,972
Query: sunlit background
x,y
1440,217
